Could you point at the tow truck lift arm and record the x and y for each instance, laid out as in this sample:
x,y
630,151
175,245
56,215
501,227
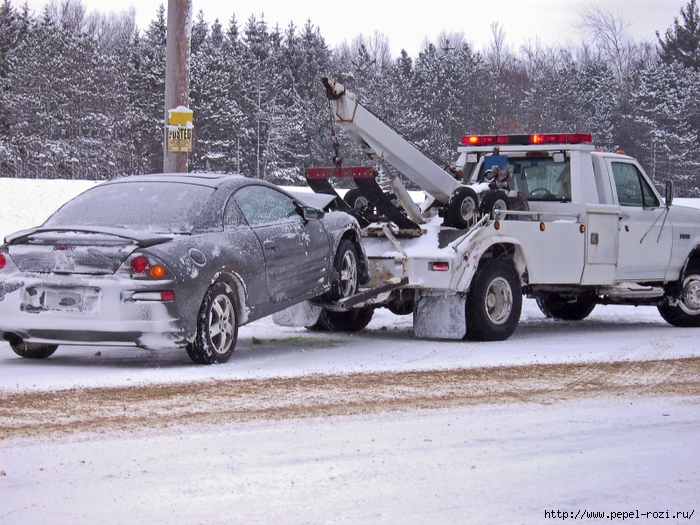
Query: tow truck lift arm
x,y
381,142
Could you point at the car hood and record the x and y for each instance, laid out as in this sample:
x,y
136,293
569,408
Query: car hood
x,y
76,250
316,200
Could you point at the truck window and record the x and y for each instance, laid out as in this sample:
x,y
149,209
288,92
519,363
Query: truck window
x,y
632,188
542,179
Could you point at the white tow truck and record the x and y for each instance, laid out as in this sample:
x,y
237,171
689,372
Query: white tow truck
x,y
543,215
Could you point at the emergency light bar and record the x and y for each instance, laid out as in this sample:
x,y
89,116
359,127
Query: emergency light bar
x,y
527,140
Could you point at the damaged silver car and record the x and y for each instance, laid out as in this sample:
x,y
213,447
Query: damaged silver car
x,y
172,260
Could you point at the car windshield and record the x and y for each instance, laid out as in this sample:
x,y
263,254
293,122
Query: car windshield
x,y
159,207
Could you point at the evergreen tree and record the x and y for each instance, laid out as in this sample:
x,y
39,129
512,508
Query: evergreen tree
x,y
682,43
218,118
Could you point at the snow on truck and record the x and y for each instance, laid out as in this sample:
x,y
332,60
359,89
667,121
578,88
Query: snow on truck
x,y
543,215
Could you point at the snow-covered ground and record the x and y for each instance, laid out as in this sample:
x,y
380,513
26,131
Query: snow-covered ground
x,y
488,463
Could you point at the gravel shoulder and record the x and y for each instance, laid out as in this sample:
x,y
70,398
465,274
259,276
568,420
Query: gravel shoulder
x,y
104,410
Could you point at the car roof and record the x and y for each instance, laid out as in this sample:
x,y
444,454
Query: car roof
x,y
212,180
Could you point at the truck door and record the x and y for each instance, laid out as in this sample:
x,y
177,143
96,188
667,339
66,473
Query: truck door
x,y
645,231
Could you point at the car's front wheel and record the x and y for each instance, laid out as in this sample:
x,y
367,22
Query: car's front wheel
x,y
31,350
217,327
347,278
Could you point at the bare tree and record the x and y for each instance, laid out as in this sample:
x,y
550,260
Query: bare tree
x,y
610,37
70,14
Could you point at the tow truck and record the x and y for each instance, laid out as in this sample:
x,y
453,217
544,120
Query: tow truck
x,y
545,216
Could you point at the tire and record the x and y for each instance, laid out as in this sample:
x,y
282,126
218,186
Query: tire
x,y
351,321
462,208
495,200
31,350
345,264
494,302
347,275
217,327
356,200
404,308
686,313
557,306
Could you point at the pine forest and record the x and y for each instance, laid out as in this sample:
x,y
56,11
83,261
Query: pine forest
x,y
82,94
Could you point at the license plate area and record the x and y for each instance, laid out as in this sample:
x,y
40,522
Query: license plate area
x,y
57,299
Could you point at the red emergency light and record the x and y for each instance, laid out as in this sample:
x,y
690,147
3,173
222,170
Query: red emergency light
x,y
527,140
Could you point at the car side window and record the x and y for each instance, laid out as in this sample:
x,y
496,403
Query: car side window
x,y
632,188
262,205
233,218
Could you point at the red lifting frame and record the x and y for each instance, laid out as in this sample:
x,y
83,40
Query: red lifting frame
x,y
355,172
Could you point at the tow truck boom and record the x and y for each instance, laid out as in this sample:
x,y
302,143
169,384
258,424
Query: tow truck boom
x,y
381,142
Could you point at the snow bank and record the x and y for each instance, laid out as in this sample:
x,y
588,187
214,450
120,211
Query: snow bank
x,y
29,202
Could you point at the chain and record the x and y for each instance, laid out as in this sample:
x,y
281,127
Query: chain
x,y
337,159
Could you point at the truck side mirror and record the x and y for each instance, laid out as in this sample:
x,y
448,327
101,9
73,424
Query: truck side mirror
x,y
669,193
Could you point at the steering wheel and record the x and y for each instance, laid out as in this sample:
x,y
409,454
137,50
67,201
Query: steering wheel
x,y
544,192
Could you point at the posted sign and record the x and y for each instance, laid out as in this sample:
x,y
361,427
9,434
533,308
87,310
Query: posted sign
x,y
179,139
179,129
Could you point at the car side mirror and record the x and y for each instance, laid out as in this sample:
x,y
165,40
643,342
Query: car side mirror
x,y
669,193
311,214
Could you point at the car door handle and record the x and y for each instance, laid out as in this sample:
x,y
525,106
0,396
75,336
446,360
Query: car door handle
x,y
269,245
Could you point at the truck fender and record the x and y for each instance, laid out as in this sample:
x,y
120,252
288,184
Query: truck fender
x,y
502,246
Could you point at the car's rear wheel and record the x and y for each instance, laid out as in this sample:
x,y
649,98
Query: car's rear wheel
x,y
217,327
31,350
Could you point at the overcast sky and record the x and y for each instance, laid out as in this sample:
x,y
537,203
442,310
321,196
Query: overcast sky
x,y
407,24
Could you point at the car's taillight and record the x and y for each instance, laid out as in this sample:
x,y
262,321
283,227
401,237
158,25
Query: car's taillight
x,y
140,266
3,261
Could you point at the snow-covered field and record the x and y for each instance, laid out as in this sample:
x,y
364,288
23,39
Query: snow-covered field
x,y
491,462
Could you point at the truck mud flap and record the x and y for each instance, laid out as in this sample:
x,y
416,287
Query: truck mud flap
x,y
439,315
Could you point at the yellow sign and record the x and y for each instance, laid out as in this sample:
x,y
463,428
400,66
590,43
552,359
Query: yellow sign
x,y
179,139
180,116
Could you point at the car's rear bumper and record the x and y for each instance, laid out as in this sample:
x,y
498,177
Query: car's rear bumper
x,y
90,310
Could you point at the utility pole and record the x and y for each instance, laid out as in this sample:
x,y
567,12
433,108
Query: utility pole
x,y
178,123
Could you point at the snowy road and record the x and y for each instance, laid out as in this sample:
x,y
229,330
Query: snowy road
x,y
377,427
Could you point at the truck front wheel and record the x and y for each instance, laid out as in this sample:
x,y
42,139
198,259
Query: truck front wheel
x,y
686,312
494,302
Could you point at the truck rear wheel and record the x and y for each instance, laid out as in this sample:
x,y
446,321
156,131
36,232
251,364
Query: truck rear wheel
x,y
558,306
494,302
686,313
